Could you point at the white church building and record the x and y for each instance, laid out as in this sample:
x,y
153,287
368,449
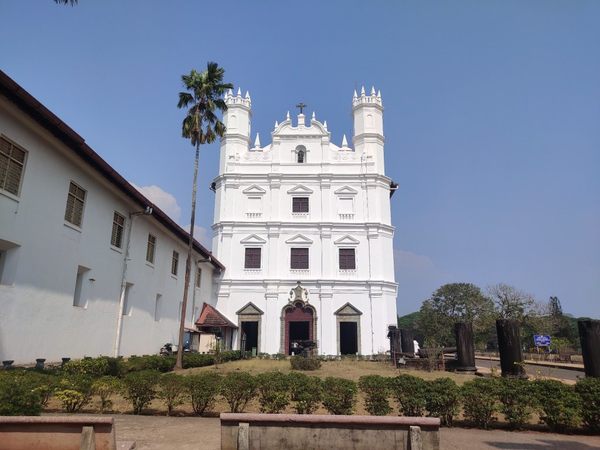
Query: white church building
x,y
302,243
304,229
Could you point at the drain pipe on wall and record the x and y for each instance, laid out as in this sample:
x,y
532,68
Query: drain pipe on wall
x,y
117,345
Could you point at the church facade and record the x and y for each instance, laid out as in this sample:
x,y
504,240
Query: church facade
x,y
304,228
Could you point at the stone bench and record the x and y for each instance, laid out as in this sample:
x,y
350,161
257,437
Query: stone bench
x,y
302,432
57,432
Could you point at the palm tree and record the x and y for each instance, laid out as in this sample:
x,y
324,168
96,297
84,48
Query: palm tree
x,y
200,126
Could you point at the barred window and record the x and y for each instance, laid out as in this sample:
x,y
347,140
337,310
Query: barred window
x,y
150,248
347,259
300,204
116,237
299,258
175,263
252,258
12,164
75,202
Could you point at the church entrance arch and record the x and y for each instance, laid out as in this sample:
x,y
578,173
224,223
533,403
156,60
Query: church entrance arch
x,y
298,320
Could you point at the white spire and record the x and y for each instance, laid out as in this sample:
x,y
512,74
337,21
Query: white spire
x,y
257,141
239,92
314,116
372,90
354,96
287,116
230,93
248,95
362,91
379,93
276,124
325,124
344,141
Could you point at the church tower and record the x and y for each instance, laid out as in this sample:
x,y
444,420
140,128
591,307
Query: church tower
x,y
237,119
367,111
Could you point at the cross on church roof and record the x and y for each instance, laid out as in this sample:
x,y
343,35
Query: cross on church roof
x,y
301,106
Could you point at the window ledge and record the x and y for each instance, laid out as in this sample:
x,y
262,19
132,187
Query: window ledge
x,y
347,271
10,195
300,270
149,264
174,276
253,215
72,226
252,270
116,249
346,216
298,215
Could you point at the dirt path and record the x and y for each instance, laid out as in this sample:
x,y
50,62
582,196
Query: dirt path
x,y
186,433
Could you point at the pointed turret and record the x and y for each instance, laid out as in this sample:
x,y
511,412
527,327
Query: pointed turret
x,y
247,95
257,141
239,92
372,90
314,116
354,96
287,116
276,124
325,124
344,142
379,94
362,91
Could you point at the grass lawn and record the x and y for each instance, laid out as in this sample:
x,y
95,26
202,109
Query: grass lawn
x,y
346,368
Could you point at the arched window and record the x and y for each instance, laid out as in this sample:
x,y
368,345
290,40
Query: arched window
x,y
301,156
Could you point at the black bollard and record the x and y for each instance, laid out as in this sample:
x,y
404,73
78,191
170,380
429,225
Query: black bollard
x,y
39,363
509,345
465,349
7,363
589,336
64,361
406,339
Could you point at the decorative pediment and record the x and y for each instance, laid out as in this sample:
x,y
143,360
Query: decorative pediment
x,y
300,190
249,310
254,190
299,239
346,240
346,190
348,310
253,239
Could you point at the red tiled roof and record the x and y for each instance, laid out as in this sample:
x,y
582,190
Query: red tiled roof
x,y
210,317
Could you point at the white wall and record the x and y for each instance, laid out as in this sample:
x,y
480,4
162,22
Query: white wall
x,y
38,319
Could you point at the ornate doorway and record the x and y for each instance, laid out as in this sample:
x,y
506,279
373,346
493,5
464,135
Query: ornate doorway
x,y
298,320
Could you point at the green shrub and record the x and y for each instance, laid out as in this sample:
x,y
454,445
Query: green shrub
x,y
442,399
171,390
339,395
74,391
480,400
305,392
409,391
140,388
45,384
517,399
238,388
203,389
150,362
558,403
91,367
278,356
18,394
304,363
588,390
191,360
230,355
105,387
377,391
273,392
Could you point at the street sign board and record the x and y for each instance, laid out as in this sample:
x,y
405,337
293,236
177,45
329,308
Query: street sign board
x,y
541,340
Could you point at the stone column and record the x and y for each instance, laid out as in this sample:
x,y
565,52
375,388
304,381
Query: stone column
x,y
406,340
465,349
589,335
509,345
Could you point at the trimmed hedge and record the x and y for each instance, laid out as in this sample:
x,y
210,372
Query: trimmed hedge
x,y
377,390
19,395
305,392
304,363
480,400
588,390
442,399
238,388
339,395
559,405
140,388
410,392
517,401
273,392
202,389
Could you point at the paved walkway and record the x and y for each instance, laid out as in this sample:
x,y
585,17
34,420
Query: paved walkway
x,y
187,433
557,372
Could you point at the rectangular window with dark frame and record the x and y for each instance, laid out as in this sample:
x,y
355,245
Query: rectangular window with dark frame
x,y
150,248
252,258
347,259
116,237
300,204
12,164
174,263
299,258
75,202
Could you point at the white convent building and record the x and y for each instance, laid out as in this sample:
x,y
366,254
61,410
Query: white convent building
x,y
303,227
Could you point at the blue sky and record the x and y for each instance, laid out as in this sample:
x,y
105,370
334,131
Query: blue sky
x,y
491,114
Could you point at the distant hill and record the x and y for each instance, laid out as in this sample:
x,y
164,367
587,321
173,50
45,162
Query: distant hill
x,y
409,320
